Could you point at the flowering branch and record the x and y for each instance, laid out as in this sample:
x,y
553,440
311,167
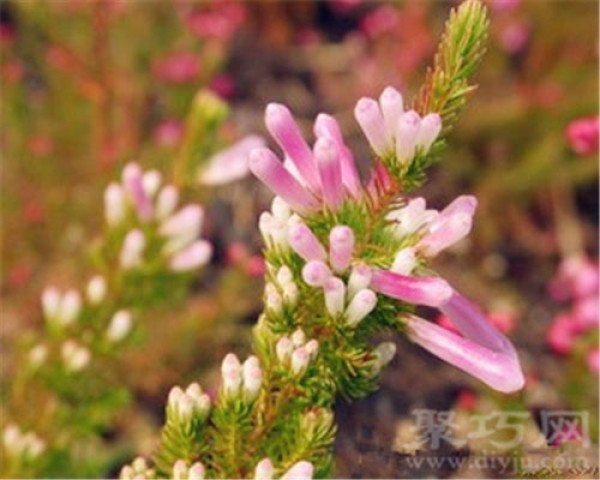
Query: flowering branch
x,y
344,262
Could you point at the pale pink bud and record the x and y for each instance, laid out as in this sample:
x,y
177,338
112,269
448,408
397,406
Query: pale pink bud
x,y
428,291
285,131
392,106
114,204
70,306
284,276
326,126
312,347
273,300
96,289
186,223
410,218
450,226
369,117
300,359
407,132
341,244
119,326
133,249
264,470
315,273
405,261
269,170
151,182
298,338
232,374
384,353
252,376
431,126
299,471
230,164
194,390
37,355
335,292
180,470
290,293
283,349
193,256
360,278
51,300
327,157
280,209
166,201
133,185
196,472
361,305
305,243
562,334
273,230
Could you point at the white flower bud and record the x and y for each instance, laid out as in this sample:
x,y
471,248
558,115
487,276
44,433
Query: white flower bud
x,y
361,305
360,278
74,356
252,375
283,349
38,355
139,464
300,359
335,293
280,209
51,300
299,471
12,439
193,256
151,182
290,293
298,338
384,353
196,472
231,371
264,470
312,347
405,261
273,300
180,470
284,276
166,201
132,250
70,306
114,204
119,326
33,446
96,289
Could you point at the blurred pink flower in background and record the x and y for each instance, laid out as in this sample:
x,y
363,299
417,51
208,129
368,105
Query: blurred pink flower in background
x,y
503,6
593,360
577,276
505,322
223,85
220,22
514,37
582,135
40,144
13,71
344,6
379,21
562,334
168,133
177,68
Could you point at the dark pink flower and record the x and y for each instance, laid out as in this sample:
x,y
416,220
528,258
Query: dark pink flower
x,y
177,68
582,135
256,266
223,85
379,21
562,334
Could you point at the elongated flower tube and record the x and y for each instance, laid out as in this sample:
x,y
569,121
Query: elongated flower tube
x,y
451,225
265,165
299,471
264,470
285,131
315,273
305,243
134,186
335,293
361,305
431,126
407,131
427,291
133,249
231,371
195,255
114,204
327,157
369,117
392,107
412,217
483,352
341,244
360,277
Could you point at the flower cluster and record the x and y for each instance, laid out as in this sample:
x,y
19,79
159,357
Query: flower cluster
x,y
576,281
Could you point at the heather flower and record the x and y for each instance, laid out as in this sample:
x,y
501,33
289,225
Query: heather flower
x,y
264,470
231,371
119,326
178,68
230,164
169,133
582,135
191,257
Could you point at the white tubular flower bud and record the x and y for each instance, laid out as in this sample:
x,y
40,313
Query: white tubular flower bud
x,y
280,209
75,357
361,305
180,470
264,470
166,202
298,338
384,353
392,106
290,293
114,204
284,276
96,289
196,472
151,182
70,307
405,261
119,326
300,359
51,300
283,349
360,278
231,371
312,347
431,126
252,375
335,293
133,249
406,136
299,471
273,300
273,230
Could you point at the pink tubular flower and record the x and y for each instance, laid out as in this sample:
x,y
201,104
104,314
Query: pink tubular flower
x,y
593,360
168,133
451,225
327,158
178,68
341,244
230,164
481,351
428,291
315,273
191,257
133,184
582,135
305,244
